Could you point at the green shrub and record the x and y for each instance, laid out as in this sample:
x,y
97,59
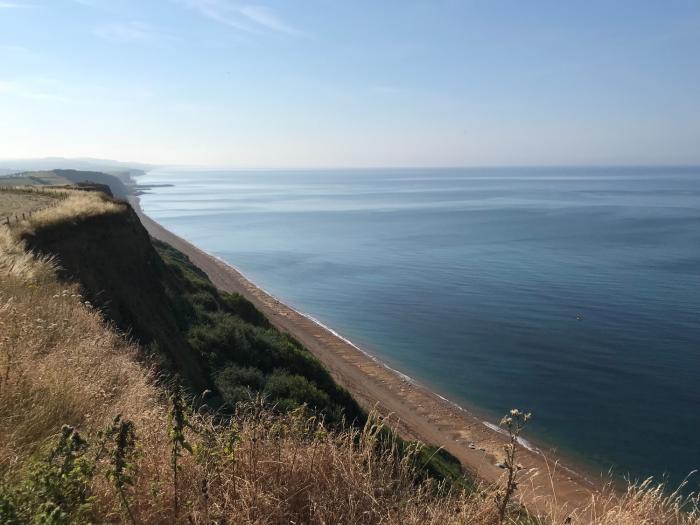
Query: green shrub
x,y
291,391
238,305
248,376
231,395
239,384
234,338
56,488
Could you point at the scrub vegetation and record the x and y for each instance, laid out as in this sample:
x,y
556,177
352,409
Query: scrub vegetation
x,y
243,353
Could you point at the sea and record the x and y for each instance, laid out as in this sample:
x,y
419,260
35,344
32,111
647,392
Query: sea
x,y
573,293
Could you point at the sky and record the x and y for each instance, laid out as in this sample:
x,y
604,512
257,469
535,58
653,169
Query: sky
x,y
352,83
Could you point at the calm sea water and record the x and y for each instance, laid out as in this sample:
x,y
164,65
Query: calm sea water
x,y
573,293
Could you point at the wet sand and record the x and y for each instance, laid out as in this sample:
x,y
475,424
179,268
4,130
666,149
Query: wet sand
x,y
417,412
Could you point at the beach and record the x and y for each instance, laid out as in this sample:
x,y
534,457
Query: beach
x,y
416,412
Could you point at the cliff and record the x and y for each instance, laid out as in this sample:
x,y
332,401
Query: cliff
x,y
119,272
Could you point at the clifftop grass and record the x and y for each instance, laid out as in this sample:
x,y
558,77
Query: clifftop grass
x,y
77,205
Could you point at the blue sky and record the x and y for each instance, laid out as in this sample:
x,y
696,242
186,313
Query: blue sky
x,y
352,82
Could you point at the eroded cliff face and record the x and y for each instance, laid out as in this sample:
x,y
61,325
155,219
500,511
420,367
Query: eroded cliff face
x,y
119,271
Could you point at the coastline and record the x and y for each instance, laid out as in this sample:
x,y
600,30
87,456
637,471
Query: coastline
x,y
417,412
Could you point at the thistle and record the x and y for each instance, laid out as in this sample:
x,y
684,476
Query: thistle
x,y
514,423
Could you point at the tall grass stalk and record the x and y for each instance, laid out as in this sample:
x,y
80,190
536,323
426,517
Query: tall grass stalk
x,y
178,422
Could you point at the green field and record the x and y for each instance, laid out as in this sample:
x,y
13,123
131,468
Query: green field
x,y
41,178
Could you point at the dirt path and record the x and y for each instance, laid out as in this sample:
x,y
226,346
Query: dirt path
x,y
418,413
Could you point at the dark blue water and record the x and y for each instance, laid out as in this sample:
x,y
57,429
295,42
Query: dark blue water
x,y
573,293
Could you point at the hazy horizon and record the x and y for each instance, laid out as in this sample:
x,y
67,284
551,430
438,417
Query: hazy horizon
x,y
326,84
75,163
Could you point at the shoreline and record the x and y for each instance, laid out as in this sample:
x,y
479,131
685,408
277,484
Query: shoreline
x,y
471,411
418,412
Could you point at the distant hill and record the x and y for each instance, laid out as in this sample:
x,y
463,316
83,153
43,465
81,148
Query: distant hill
x,y
123,170
29,178
117,183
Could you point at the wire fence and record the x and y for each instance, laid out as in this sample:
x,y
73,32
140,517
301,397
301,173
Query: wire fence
x,y
56,194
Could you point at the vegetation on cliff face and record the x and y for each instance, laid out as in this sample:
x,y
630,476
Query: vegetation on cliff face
x,y
90,432
244,354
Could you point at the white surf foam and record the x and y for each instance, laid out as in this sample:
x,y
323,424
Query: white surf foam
x,y
523,442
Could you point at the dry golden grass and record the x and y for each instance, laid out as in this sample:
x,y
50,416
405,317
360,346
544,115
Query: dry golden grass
x,y
646,502
28,208
77,205
265,468
16,262
62,364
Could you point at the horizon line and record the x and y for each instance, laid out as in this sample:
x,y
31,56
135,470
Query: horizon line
x,y
152,166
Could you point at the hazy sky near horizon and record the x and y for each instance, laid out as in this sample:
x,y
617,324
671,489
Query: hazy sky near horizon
x,y
352,83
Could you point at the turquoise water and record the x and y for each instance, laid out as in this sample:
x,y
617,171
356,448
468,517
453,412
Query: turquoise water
x,y
573,293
